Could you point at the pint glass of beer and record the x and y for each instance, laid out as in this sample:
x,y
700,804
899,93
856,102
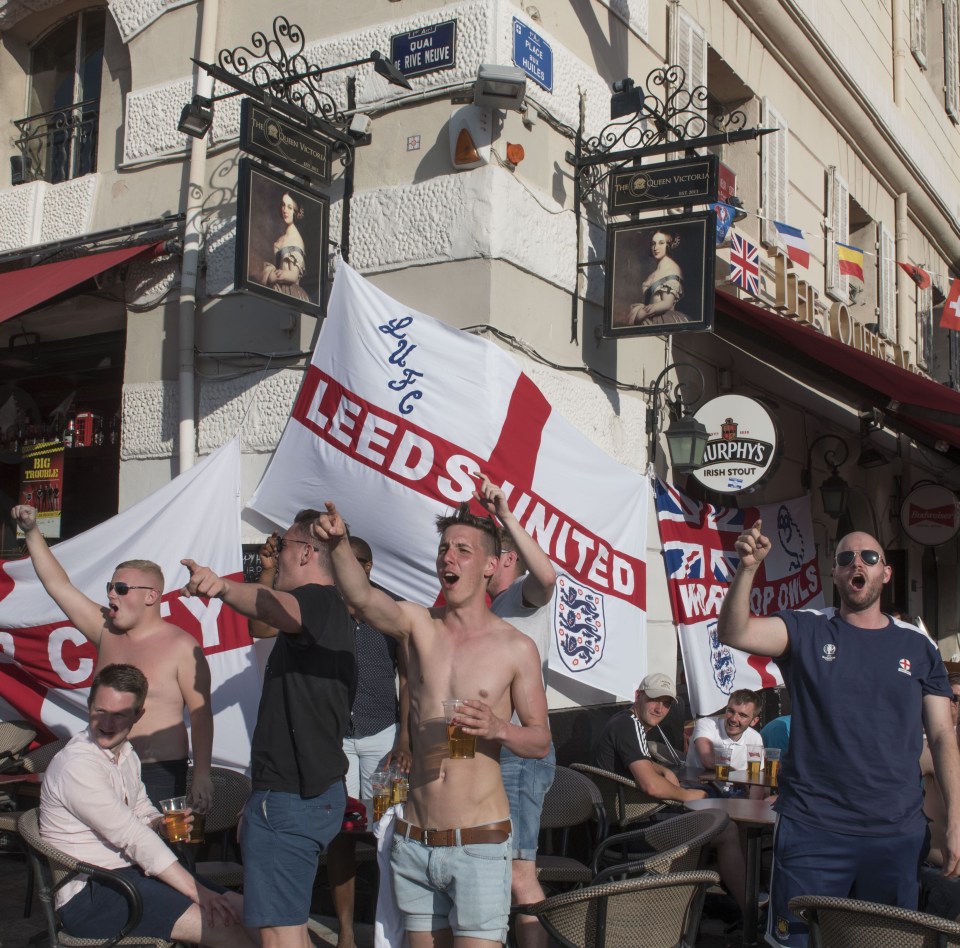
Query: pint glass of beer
x,y
721,757
461,745
771,764
754,761
382,785
175,819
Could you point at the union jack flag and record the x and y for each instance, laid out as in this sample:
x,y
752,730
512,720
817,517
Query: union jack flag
x,y
744,264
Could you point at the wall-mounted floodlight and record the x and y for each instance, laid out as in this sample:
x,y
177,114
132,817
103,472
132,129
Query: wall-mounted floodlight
x,y
500,87
196,117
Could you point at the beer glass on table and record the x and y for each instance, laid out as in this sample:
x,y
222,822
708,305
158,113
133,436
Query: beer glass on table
x,y
754,761
771,765
721,757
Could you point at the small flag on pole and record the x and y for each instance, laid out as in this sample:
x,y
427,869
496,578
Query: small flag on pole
x,y
851,261
951,308
917,274
744,264
724,214
797,249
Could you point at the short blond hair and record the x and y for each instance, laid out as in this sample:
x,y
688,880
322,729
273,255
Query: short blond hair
x,y
145,566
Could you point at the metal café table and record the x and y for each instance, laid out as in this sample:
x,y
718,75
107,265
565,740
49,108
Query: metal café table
x,y
755,816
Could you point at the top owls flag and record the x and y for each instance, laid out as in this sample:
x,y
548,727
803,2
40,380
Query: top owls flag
x,y
698,551
398,414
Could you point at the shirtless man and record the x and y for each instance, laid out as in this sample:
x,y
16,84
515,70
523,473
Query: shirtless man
x,y
130,631
458,650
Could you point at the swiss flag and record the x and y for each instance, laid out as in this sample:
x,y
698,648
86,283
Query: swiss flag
x,y
951,309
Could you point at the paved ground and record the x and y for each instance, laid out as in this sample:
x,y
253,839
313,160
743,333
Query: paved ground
x,y
17,932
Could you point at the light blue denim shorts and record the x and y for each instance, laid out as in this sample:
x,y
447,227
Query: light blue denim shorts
x,y
526,781
464,888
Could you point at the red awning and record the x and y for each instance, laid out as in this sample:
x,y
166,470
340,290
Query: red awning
x,y
919,407
21,290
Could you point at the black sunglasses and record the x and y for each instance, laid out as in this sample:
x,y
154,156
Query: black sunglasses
x,y
123,588
281,541
870,557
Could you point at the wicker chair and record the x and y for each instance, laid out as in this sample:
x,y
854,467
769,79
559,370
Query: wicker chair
x,y
850,923
14,737
572,801
672,845
53,869
624,802
650,912
37,761
230,792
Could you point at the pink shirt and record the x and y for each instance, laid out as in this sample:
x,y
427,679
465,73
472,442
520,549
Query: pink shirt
x,y
94,807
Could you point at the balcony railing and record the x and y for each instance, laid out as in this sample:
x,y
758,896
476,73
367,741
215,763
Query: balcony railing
x,y
61,144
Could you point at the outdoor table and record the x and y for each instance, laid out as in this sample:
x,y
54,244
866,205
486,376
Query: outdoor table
x,y
755,816
742,777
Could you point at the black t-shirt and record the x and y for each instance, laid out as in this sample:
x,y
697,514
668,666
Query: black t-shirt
x,y
622,742
304,711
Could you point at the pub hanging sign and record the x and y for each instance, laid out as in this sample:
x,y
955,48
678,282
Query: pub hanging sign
x,y
667,184
287,145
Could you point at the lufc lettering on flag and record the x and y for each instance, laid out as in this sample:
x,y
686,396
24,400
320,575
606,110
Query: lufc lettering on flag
x,y
397,417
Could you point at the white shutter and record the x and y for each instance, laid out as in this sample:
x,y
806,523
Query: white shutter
x,y
924,326
918,31
887,283
774,180
838,218
951,67
688,49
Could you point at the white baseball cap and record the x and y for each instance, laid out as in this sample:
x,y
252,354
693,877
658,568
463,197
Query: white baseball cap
x,y
658,685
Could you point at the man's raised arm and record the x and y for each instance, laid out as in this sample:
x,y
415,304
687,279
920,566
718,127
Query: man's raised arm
x,y
379,610
736,625
277,609
541,578
83,612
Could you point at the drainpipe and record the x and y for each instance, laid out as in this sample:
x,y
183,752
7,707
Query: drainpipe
x,y
899,41
192,239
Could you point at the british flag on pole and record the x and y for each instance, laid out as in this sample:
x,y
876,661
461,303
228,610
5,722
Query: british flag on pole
x,y
744,264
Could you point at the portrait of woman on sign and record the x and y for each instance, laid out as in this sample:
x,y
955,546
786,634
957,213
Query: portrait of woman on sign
x,y
284,254
657,272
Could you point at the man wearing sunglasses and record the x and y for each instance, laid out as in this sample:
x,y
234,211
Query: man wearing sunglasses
x,y
131,631
863,686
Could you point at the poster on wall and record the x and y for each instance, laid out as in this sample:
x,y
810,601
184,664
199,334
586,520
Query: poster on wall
x,y
660,275
281,238
41,484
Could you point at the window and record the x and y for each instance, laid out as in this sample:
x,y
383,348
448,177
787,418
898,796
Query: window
x,y
838,231
58,140
887,283
688,47
773,151
924,326
935,44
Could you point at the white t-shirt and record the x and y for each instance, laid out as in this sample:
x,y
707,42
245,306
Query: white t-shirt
x,y
713,729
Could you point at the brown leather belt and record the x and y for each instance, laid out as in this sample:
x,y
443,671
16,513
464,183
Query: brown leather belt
x,y
488,833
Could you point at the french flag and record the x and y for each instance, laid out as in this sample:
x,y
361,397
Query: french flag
x,y
797,249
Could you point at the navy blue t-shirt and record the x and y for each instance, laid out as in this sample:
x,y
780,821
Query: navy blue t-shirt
x,y
856,733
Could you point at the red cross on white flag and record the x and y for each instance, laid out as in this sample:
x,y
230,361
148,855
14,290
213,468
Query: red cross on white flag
x,y
397,415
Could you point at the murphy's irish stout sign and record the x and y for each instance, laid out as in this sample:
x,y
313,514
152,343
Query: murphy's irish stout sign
x,y
742,447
